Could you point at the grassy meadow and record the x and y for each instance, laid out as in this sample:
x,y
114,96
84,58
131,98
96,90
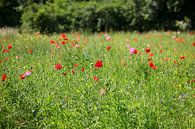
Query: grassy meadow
x,y
115,80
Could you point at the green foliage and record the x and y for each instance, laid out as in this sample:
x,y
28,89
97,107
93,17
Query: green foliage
x,y
8,13
96,15
184,24
89,15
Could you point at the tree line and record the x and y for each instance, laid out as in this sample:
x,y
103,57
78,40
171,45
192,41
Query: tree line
x,y
50,16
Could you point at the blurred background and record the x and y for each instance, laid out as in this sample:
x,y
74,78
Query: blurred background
x,y
48,16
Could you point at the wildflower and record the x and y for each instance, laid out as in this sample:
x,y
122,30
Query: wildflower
x,y
17,57
151,64
3,77
27,73
58,66
135,51
108,38
182,57
147,50
77,45
151,54
57,46
63,42
52,42
135,39
83,69
9,46
64,36
22,76
76,65
108,48
131,50
95,78
5,51
98,64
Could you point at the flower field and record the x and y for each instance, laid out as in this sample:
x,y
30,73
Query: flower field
x,y
114,80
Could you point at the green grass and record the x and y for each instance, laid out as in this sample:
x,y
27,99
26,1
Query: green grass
x,y
128,93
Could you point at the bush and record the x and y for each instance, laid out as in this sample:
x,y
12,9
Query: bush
x,y
101,15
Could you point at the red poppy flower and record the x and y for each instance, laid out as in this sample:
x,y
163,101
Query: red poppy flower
x,y
22,76
5,51
193,44
3,77
64,36
58,66
135,51
151,64
98,64
83,69
57,46
147,50
95,78
161,51
182,57
63,42
52,42
175,62
76,65
9,46
108,48
151,54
